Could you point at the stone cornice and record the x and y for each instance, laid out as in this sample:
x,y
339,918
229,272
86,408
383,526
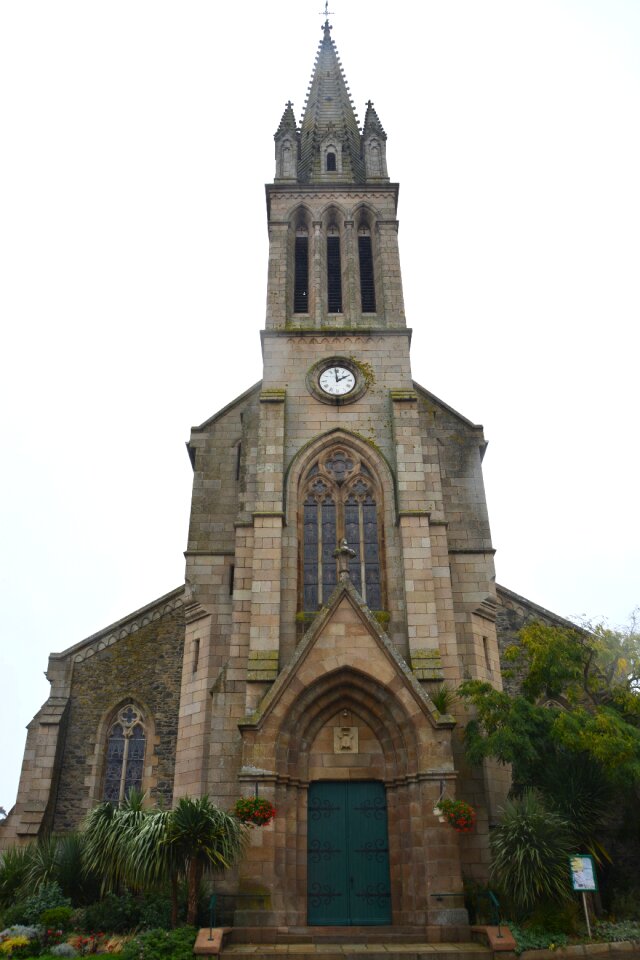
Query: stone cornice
x,y
336,334
123,628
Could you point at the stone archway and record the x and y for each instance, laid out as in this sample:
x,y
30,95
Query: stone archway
x,y
387,750
347,674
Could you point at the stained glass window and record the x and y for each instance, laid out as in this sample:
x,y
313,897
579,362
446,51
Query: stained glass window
x,y
340,503
124,765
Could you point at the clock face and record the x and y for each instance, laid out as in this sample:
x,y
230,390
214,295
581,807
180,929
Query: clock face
x,y
337,381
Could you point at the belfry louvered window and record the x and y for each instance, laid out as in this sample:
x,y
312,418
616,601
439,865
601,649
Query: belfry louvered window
x,y
367,285
124,765
340,501
334,274
301,273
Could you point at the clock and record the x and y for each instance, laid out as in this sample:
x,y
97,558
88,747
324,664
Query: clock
x,y
336,381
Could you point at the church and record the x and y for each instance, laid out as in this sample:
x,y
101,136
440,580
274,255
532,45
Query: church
x,y
339,570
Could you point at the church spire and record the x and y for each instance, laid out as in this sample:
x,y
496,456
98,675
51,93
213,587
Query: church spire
x,y
286,138
329,133
374,145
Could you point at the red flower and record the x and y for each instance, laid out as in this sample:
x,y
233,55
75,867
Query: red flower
x,y
459,814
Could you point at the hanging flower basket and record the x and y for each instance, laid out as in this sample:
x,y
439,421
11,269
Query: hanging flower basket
x,y
459,814
256,810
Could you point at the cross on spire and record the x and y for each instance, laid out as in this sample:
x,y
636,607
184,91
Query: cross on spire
x,y
326,13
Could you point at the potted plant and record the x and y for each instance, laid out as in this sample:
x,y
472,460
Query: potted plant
x,y
458,813
256,810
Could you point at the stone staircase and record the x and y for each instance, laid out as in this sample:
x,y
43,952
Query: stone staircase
x,y
359,951
351,943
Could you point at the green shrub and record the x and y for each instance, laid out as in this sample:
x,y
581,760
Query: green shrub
x,y
21,930
612,932
155,912
16,914
48,896
58,918
63,950
564,916
443,698
113,913
534,938
625,905
161,945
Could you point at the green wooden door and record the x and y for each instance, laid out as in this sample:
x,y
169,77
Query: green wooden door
x,y
347,854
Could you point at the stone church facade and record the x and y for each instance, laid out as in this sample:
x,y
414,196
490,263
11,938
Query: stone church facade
x,y
339,568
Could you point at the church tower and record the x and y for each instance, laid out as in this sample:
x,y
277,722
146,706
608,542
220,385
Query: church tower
x,y
339,565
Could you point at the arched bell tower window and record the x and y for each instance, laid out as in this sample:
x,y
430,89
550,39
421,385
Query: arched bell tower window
x,y
301,272
367,282
331,162
126,742
334,271
340,499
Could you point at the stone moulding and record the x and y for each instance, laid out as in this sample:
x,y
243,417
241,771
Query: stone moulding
x,y
262,665
404,396
123,628
427,665
273,395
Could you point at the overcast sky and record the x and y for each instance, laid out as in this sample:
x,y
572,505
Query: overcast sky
x,y
137,138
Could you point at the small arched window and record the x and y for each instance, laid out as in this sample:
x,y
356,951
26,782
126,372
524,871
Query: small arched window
x,y
126,742
331,162
340,500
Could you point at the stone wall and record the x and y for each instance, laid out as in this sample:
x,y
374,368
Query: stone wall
x,y
144,667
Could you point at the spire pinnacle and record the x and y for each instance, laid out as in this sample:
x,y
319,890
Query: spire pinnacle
x,y
288,121
372,122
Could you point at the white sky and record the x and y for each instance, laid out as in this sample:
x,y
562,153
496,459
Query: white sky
x,y
136,140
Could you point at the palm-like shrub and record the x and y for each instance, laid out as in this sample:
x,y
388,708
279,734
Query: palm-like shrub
x,y
530,852
146,848
14,864
50,860
204,838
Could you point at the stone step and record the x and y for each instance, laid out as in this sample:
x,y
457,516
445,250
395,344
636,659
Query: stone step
x,y
348,934
357,951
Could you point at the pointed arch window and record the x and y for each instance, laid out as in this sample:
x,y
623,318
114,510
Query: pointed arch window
x,y
367,284
331,162
126,744
301,272
340,499
334,271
